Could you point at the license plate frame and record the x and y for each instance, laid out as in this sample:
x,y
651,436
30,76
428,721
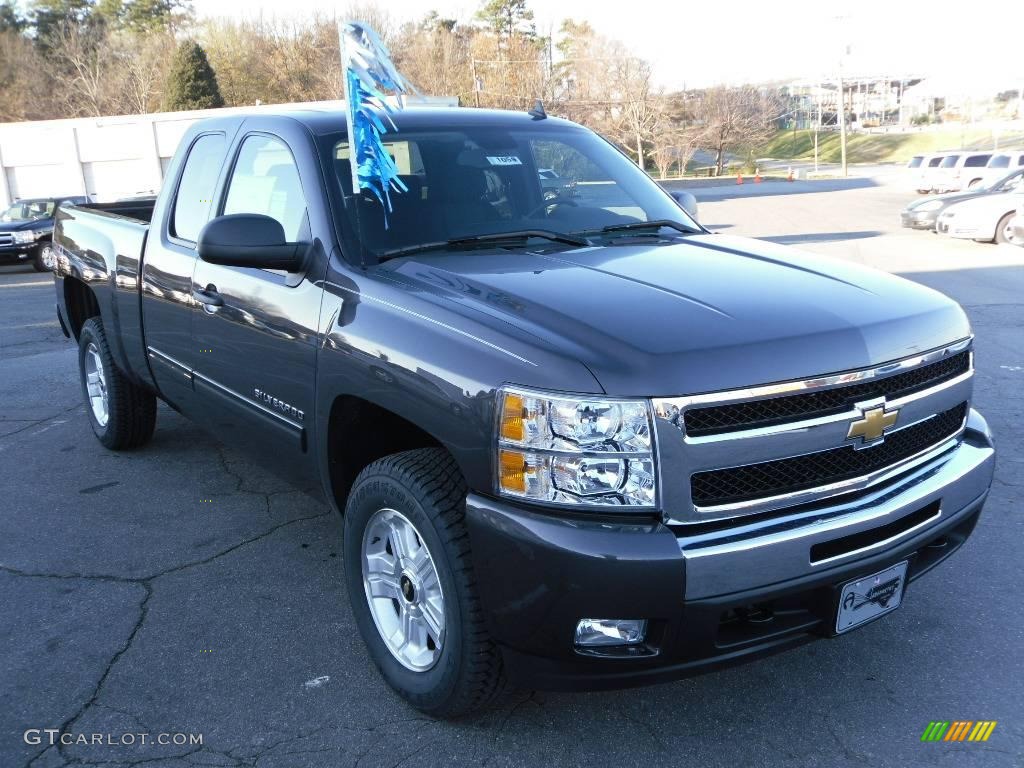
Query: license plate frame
x,y
870,597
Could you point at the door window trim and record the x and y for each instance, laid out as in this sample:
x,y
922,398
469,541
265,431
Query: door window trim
x,y
169,218
278,277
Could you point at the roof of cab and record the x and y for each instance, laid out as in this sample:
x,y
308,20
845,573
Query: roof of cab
x,y
325,121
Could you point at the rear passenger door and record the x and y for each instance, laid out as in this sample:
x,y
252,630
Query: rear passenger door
x,y
170,257
255,367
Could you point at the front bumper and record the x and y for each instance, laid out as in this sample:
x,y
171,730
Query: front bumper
x,y
713,594
18,251
915,220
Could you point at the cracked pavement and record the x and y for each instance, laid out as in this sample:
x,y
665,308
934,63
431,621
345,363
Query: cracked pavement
x,y
184,589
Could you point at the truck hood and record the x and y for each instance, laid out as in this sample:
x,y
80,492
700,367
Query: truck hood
x,y
706,313
17,226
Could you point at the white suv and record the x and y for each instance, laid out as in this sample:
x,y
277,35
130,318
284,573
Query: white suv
x,y
1001,163
925,171
960,170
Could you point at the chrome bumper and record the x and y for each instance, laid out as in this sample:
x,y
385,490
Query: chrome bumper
x,y
761,553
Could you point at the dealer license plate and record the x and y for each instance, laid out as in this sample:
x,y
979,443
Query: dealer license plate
x,y
872,596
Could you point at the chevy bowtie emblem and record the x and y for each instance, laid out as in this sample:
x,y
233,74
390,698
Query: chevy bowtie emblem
x,y
871,427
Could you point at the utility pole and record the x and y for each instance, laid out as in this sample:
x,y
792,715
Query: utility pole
x,y
842,116
476,82
817,127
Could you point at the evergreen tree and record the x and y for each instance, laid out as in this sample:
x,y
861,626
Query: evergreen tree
x,y
10,19
191,82
48,16
507,18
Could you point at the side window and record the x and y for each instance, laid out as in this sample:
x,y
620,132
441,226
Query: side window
x,y
195,191
265,180
977,161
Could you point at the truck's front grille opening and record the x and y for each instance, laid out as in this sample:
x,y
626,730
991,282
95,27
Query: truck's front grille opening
x,y
778,410
782,476
846,545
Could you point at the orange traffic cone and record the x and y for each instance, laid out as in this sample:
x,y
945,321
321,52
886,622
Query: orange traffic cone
x,y
757,175
739,177
790,177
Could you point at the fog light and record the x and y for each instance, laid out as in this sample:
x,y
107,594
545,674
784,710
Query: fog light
x,y
592,632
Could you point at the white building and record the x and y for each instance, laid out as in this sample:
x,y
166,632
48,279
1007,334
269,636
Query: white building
x,y
109,157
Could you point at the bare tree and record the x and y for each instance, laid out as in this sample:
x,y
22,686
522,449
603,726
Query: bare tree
x,y
86,70
733,119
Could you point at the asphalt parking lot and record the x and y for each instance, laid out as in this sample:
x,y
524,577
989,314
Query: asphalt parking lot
x,y
183,589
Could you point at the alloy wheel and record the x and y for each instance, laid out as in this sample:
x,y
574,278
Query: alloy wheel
x,y
403,590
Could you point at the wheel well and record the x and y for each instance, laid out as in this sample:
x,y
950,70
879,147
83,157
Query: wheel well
x,y
360,432
80,302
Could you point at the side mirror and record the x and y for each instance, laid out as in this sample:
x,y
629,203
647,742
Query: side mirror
x,y
249,240
686,201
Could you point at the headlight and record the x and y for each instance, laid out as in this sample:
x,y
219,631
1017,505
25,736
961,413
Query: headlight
x,y
931,205
26,236
575,450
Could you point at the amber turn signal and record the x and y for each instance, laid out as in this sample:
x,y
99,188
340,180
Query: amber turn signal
x,y
513,428
512,471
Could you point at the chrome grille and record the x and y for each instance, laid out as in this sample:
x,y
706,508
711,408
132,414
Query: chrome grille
x,y
6,238
789,444
770,478
758,413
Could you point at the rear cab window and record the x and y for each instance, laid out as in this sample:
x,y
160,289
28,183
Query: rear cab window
x,y
197,186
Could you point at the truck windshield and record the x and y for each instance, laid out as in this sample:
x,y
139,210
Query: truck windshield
x,y
28,210
469,184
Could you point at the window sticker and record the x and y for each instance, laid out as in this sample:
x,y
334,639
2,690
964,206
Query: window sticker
x,y
504,160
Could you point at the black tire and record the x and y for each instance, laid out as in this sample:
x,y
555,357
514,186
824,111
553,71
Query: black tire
x,y
131,410
425,486
38,260
1002,226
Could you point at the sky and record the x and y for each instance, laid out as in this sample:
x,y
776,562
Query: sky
x,y
960,46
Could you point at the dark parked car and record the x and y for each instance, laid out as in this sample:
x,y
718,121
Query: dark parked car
x,y
26,230
924,212
577,443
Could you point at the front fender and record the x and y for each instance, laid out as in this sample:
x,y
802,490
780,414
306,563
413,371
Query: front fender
x,y
433,365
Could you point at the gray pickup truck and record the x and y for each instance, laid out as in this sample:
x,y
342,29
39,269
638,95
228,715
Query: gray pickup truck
x,y
578,440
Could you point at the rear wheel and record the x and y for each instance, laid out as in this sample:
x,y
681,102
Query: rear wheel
x,y
1004,232
122,414
411,583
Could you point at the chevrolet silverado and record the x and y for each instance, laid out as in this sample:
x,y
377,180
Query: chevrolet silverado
x,y
578,440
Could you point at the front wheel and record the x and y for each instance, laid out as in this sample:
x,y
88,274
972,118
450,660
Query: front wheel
x,y
122,414
411,583
43,260
1004,232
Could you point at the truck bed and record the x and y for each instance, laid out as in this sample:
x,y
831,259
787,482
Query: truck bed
x,y
101,245
140,209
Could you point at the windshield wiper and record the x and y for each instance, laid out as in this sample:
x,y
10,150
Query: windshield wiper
x,y
494,237
654,224
523,234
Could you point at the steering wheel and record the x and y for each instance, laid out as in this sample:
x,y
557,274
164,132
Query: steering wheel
x,y
552,203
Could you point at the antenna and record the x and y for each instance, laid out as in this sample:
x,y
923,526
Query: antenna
x,y
538,113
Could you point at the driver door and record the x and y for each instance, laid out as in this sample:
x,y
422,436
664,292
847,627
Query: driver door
x,y
255,330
